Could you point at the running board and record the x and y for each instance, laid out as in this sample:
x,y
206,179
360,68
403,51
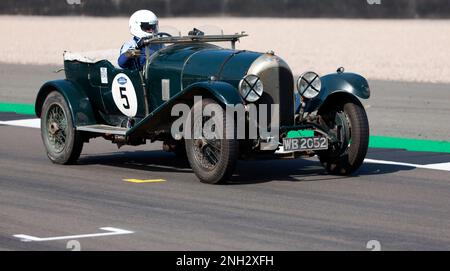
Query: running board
x,y
103,129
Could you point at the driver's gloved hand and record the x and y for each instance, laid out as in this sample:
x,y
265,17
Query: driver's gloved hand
x,y
142,42
133,53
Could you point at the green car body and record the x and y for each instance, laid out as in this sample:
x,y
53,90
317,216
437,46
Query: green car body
x,y
189,67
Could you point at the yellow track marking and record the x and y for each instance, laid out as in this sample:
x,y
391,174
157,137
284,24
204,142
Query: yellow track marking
x,y
144,181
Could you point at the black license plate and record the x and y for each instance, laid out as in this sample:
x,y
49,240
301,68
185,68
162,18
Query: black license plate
x,y
305,143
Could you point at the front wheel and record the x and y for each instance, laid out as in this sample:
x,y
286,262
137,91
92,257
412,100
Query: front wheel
x,y
62,142
211,156
347,122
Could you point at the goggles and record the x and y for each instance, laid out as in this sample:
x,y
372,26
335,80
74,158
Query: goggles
x,y
147,27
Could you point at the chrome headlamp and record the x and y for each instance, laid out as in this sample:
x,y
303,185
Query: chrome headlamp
x,y
309,84
251,88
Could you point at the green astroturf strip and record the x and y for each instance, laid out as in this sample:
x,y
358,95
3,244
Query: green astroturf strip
x,y
27,109
409,144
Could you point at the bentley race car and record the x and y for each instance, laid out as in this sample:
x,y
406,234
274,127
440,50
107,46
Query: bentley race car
x,y
314,115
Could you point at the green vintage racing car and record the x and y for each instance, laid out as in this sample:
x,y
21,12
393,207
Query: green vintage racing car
x,y
315,115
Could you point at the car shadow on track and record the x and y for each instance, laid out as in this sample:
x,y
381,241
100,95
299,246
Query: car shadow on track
x,y
301,170
247,171
157,161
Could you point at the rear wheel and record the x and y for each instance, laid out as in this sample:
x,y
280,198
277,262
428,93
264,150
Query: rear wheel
x,y
62,142
347,122
212,158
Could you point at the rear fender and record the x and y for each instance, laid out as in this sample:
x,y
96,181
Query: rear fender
x,y
79,104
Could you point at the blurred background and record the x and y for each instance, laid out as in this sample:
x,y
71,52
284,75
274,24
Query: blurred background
x,y
270,8
402,40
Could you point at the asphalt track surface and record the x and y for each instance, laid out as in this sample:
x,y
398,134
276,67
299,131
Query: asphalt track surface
x,y
268,205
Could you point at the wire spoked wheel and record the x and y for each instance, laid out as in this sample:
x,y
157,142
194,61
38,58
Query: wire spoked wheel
x,y
207,149
211,155
347,123
56,128
339,127
62,142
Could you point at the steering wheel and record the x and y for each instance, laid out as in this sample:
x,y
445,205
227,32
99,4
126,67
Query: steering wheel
x,y
145,41
163,34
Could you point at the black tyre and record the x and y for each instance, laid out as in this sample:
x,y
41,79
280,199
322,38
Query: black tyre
x,y
62,142
212,160
349,117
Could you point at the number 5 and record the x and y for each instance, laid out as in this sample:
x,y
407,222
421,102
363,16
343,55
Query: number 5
x,y
124,96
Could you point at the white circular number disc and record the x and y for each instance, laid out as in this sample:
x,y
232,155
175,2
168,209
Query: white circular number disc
x,y
124,95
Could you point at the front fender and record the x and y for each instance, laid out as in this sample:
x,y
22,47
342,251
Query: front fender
x,y
79,104
223,92
351,83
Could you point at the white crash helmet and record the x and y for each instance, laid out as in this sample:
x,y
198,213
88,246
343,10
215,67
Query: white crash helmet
x,y
143,23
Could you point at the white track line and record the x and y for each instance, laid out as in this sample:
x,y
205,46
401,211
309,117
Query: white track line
x,y
438,166
110,231
31,123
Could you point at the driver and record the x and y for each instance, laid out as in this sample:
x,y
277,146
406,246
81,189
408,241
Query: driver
x,y
143,24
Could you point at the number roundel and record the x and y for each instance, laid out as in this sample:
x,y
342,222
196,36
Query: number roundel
x,y
124,95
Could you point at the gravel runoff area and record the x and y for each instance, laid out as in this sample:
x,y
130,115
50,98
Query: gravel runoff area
x,y
401,50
